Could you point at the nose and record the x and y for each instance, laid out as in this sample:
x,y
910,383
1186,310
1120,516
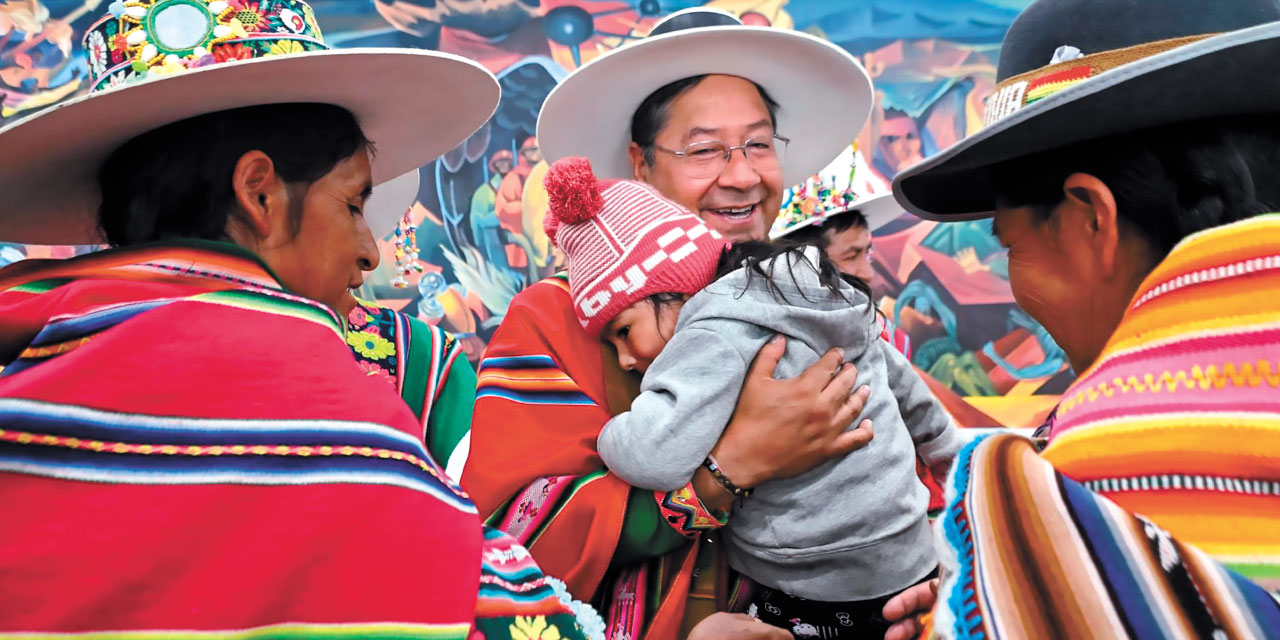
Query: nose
x,y
626,361
863,270
738,174
367,257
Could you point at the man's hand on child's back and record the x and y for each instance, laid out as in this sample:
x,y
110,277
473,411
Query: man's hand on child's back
x,y
783,428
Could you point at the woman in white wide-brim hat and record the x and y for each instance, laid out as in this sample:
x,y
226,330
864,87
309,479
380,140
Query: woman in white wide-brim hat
x,y
187,444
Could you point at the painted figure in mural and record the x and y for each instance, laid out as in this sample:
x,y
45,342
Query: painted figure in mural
x,y
36,61
510,199
246,274
1145,242
485,223
713,144
899,145
691,326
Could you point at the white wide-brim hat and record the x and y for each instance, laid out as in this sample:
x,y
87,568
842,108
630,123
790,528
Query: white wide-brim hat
x,y
49,161
878,211
824,95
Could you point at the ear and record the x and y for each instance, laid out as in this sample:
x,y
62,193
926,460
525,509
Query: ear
x,y
639,168
1091,199
260,193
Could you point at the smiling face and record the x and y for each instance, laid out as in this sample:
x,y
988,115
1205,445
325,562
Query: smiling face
x,y
740,202
1075,266
640,332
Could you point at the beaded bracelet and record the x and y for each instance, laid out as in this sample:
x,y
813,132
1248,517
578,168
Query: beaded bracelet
x,y
714,467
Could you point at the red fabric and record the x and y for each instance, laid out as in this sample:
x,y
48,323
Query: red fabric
x,y
515,442
115,554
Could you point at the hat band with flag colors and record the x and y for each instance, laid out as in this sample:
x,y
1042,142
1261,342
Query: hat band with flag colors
x,y
625,242
1079,72
1069,68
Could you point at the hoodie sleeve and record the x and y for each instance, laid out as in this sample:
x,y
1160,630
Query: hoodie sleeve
x,y
685,402
935,435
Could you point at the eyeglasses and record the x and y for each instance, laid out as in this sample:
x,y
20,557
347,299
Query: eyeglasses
x,y
709,159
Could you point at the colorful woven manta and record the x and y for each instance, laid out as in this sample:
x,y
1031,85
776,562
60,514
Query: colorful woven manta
x,y
188,450
1029,553
1179,418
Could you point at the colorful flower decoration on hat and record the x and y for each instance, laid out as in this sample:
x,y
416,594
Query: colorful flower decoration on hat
x,y
830,192
142,39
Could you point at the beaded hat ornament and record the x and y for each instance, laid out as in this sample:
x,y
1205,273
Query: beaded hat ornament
x,y
147,38
831,192
406,251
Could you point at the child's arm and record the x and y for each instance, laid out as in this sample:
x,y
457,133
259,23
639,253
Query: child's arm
x,y
936,437
685,401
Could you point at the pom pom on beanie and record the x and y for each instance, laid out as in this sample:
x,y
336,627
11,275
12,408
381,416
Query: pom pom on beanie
x,y
573,194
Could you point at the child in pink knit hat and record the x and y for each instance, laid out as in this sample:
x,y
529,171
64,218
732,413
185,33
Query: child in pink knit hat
x,y
681,305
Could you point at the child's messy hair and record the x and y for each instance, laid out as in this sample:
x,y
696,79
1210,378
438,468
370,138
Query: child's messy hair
x,y
755,256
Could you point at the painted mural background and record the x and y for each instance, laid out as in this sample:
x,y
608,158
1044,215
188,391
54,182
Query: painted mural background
x,y
480,207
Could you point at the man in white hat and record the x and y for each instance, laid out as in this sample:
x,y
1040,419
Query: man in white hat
x,y
187,447
718,117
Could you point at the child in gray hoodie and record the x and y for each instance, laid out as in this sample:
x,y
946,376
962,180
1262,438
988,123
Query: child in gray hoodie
x,y
830,546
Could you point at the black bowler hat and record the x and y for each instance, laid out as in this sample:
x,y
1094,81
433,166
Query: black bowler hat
x,y
1077,70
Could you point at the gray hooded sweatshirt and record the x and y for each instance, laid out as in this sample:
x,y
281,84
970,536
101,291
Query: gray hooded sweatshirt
x,y
854,528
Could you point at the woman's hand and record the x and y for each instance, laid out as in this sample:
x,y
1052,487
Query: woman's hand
x,y
903,611
736,626
783,428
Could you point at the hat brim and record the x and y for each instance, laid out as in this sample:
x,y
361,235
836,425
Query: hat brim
x,y
879,211
1225,75
48,174
824,94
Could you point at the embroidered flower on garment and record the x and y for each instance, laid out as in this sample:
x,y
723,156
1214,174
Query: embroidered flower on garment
x,y
97,50
370,345
533,629
373,370
226,52
359,317
252,17
285,47
119,44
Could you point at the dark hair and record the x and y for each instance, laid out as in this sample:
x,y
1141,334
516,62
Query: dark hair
x,y
660,300
1169,182
175,181
651,115
754,255
816,234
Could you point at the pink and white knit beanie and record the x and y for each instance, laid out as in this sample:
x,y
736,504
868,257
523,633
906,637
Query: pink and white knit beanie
x,y
624,241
